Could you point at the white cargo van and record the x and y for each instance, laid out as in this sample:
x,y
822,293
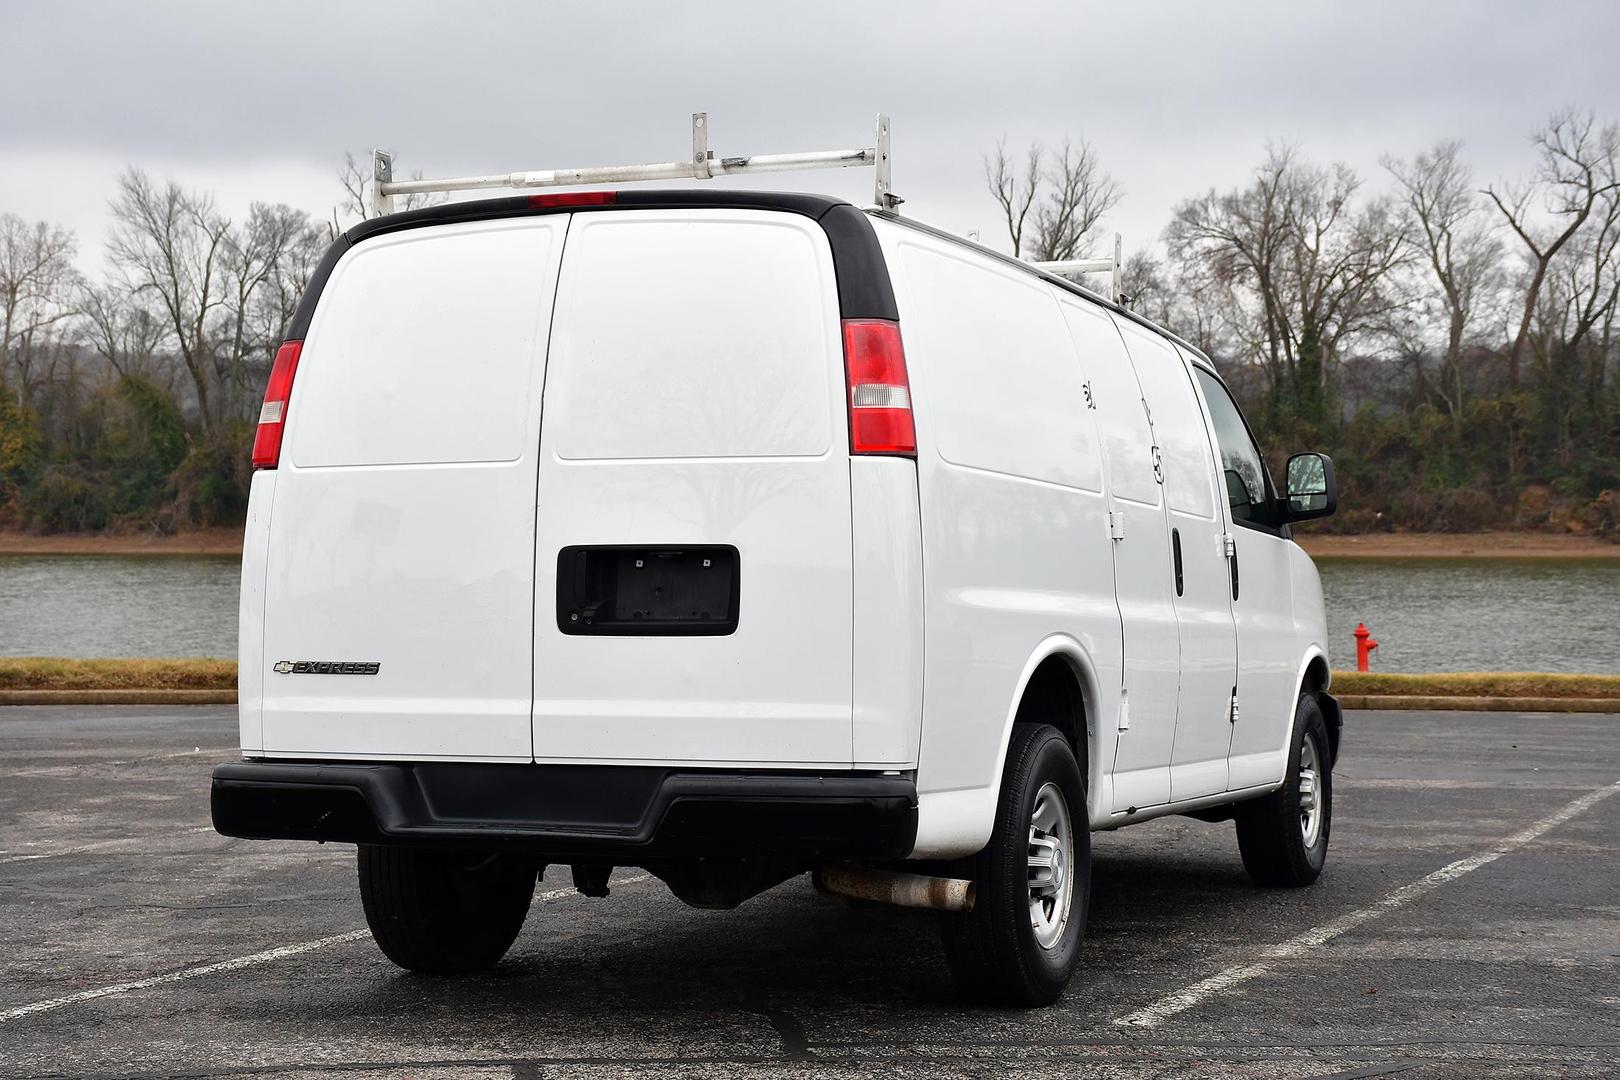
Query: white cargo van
x,y
742,535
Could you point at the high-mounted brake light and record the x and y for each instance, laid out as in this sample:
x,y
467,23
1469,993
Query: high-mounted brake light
x,y
573,198
273,414
879,392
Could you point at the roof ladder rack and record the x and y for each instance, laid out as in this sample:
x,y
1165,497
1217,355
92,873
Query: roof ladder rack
x,y
1112,267
702,165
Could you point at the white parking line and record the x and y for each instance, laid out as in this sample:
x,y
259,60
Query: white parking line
x,y
558,894
177,976
1182,1000
69,768
234,964
99,845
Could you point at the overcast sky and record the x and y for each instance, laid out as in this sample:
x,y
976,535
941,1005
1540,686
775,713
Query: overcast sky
x,y
260,101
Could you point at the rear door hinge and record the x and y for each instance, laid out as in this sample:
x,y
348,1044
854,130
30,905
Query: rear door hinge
x,y
1116,524
1234,716
1229,545
1124,710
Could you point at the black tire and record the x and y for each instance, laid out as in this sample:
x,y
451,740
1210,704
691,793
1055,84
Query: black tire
x,y
1270,830
442,912
993,950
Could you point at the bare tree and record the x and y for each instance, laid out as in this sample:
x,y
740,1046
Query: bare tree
x,y
126,334
1314,261
1460,251
1014,191
1058,205
37,282
170,244
1579,166
1237,241
1575,322
277,300
1177,296
1079,195
256,256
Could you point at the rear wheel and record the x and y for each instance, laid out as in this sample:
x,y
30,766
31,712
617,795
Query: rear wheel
x,y
1284,836
440,912
1020,943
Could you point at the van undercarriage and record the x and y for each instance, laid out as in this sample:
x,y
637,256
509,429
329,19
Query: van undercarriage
x,y
716,838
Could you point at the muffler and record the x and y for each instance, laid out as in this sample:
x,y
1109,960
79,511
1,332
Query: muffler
x,y
903,890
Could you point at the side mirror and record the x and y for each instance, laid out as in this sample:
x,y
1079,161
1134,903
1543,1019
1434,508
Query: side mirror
x,y
1312,492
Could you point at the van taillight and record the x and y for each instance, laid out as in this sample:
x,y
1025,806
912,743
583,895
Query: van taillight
x,y
879,393
273,414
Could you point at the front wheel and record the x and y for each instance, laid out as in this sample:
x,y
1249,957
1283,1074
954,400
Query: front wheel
x,y
1020,943
442,912
1284,836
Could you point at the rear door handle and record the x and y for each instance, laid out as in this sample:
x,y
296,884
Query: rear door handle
x,y
1175,553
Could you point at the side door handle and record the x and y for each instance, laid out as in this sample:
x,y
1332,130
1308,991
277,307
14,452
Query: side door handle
x,y
1175,553
1229,542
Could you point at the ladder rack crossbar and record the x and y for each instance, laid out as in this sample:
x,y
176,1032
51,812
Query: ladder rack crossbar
x,y
1078,266
703,165
621,174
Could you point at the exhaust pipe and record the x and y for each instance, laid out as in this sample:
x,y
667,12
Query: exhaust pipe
x,y
903,890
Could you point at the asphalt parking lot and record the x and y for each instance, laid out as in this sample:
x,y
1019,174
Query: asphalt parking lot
x,y
1468,924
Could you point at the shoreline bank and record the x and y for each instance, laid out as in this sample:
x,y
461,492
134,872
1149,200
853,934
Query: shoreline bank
x,y
1487,545
218,541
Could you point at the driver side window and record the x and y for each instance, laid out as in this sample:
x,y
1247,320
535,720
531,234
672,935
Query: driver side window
x,y
1243,470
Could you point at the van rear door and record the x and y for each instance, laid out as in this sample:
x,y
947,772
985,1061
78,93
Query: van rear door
x,y
402,529
693,551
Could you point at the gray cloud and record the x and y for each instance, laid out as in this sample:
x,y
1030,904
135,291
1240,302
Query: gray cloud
x,y
1176,97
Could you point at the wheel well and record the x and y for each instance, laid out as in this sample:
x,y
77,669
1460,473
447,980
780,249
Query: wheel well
x,y
1316,674
1055,695
1315,682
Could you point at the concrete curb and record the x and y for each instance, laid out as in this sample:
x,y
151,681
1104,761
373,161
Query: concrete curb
x,y
1412,702
150,696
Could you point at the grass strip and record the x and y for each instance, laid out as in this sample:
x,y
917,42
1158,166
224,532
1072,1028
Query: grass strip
x,y
1484,684
55,673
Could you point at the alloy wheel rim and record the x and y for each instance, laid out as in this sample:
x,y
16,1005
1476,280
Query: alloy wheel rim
x,y
1051,865
1310,791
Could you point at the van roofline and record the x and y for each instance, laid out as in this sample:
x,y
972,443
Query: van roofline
x,y
1045,275
864,288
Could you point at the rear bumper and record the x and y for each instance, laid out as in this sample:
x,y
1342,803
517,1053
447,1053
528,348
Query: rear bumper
x,y
627,813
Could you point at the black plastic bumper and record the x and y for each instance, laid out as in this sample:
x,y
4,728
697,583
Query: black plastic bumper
x,y
572,811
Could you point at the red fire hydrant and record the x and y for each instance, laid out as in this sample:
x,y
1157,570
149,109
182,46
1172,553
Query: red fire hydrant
x,y
1365,644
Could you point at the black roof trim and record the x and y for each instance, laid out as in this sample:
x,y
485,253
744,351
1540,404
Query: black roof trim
x,y
298,329
445,214
864,289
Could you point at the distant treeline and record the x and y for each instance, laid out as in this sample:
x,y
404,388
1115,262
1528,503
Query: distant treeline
x,y
129,403
1450,342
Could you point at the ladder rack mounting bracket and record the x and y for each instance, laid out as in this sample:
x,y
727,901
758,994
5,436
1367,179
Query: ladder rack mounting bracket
x,y
1113,267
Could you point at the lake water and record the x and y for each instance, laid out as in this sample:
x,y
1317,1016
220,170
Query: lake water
x,y
112,605
1427,614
